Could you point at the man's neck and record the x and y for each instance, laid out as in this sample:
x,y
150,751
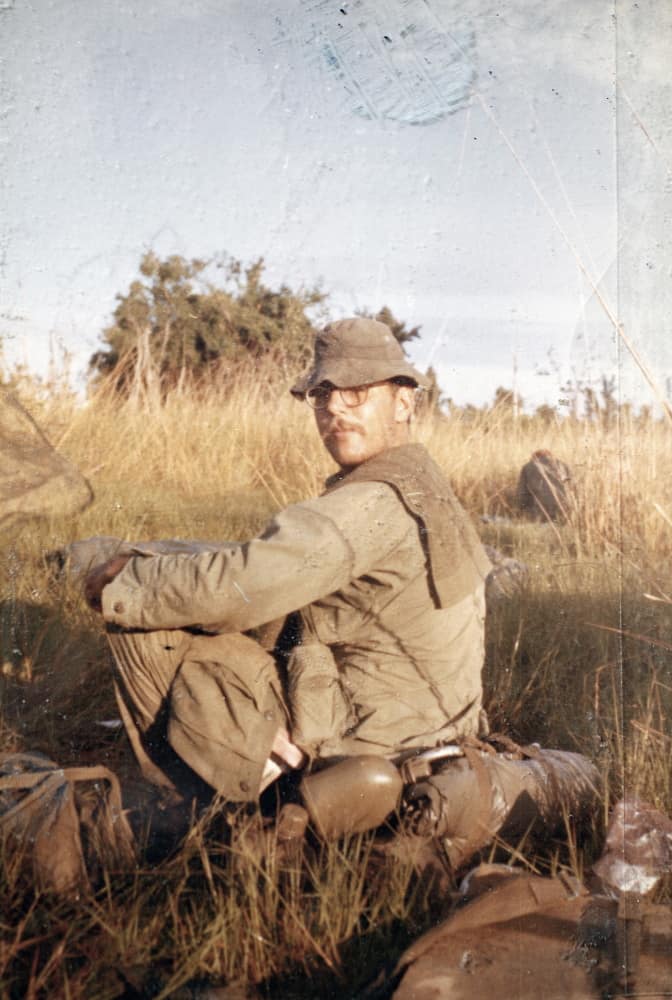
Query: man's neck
x,y
345,470
402,439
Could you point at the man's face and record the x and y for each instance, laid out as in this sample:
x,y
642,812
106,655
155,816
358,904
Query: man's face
x,y
353,434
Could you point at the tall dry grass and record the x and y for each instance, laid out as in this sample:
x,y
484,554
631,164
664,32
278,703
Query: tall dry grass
x,y
580,660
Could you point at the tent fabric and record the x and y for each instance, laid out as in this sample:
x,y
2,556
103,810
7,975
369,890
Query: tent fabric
x,y
34,479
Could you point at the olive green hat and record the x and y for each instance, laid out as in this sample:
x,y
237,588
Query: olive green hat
x,y
357,351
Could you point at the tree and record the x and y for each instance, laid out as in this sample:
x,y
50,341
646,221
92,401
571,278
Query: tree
x,y
507,402
546,414
398,327
432,399
177,319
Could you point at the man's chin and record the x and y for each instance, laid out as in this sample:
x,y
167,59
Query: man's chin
x,y
342,451
348,458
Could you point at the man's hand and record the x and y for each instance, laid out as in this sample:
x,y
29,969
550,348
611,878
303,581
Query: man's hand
x,y
286,750
98,579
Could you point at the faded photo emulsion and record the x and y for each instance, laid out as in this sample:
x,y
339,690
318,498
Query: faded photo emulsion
x,y
335,504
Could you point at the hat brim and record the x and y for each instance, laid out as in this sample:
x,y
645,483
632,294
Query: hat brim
x,y
345,372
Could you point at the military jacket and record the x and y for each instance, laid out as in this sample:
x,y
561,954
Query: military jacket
x,y
384,663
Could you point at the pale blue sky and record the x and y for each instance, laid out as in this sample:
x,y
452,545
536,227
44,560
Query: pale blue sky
x,y
239,127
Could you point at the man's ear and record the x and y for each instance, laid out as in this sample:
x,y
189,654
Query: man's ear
x,y
404,404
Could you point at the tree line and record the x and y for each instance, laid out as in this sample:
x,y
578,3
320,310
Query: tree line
x,y
193,315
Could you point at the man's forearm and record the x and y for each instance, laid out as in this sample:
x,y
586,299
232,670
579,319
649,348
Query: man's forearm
x,y
308,551
231,590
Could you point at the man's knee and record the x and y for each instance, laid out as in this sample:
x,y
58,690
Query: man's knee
x,y
225,710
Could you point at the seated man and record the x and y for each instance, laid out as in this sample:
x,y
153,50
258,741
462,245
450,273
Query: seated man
x,y
384,572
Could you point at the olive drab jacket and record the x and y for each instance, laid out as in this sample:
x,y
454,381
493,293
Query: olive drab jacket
x,y
387,574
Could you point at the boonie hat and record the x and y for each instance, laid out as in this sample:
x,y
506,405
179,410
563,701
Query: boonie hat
x,y
357,351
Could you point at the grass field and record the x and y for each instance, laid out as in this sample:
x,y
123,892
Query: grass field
x,y
580,661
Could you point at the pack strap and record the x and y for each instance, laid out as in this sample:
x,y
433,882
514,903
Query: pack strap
x,y
41,786
29,779
481,833
49,779
496,743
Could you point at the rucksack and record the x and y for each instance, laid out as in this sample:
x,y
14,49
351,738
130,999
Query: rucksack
x,y
65,823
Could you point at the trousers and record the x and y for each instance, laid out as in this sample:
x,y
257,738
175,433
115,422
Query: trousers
x,y
198,707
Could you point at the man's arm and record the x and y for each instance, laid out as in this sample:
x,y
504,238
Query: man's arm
x,y
308,551
103,573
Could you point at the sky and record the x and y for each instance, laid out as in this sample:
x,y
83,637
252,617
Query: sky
x,y
497,173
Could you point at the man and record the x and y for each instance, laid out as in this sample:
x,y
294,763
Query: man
x,y
384,572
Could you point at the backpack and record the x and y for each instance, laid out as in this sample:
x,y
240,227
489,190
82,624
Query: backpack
x,y
65,823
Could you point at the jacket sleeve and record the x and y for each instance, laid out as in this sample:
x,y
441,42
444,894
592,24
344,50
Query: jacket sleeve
x,y
309,550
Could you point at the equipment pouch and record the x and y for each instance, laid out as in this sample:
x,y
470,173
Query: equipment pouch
x,y
317,703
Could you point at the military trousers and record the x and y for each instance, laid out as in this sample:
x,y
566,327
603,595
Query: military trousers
x,y
211,702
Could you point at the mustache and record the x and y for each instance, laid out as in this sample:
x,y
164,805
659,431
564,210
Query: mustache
x,y
340,425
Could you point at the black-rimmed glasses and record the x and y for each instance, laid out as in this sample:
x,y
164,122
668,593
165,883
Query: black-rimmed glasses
x,y
354,395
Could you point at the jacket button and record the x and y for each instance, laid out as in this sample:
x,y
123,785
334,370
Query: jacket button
x,y
118,608
244,787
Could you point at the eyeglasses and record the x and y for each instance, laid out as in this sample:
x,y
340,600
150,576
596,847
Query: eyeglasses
x,y
319,396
